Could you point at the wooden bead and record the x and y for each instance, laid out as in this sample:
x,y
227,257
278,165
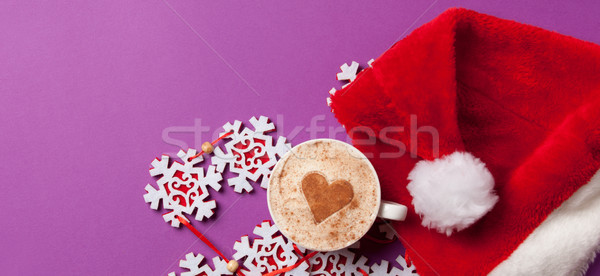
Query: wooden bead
x,y
232,266
207,147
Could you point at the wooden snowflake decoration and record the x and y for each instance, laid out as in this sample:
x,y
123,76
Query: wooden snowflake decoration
x,y
384,268
182,187
269,250
249,153
193,265
348,71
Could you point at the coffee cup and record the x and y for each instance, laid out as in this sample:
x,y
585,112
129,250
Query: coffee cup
x,y
324,195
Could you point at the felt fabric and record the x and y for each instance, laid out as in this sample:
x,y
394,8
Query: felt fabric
x,y
565,243
524,100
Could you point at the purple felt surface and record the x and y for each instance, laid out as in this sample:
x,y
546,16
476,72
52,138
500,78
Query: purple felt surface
x,y
92,91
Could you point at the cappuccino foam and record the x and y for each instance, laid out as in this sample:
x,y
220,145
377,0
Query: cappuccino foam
x,y
340,215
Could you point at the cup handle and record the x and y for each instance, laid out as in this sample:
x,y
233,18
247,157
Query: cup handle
x,y
392,210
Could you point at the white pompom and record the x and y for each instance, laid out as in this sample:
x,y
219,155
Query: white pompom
x,y
452,192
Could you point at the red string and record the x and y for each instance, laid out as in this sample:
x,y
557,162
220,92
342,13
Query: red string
x,y
380,241
207,242
239,270
286,269
202,237
213,143
297,250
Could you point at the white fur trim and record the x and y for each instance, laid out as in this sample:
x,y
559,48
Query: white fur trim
x,y
565,243
452,192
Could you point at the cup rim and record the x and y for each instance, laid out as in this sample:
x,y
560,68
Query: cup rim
x,y
378,188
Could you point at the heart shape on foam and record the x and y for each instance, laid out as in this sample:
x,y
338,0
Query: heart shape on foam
x,y
325,199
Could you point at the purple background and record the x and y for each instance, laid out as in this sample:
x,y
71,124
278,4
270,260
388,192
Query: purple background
x,y
88,87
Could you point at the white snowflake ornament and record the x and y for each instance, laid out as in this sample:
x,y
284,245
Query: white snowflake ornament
x,y
182,187
407,269
370,62
249,153
269,252
384,268
193,265
340,262
332,91
348,72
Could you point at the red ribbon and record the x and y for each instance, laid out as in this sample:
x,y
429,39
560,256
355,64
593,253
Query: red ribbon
x,y
407,257
364,273
213,143
286,269
206,241
202,237
239,271
380,241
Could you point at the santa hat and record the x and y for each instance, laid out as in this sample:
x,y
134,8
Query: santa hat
x,y
511,185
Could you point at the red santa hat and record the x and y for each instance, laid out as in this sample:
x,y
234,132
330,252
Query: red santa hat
x,y
511,185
